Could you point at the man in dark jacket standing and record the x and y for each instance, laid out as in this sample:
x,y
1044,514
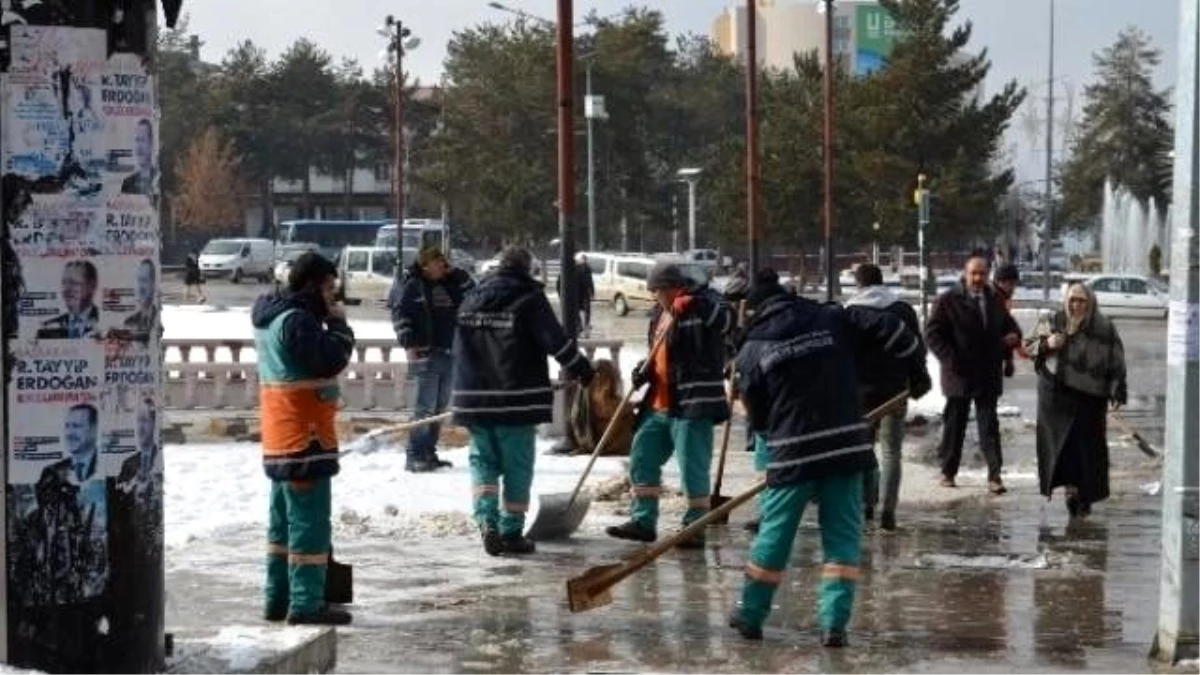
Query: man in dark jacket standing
x,y
506,331
796,372
880,380
303,342
971,333
685,399
423,314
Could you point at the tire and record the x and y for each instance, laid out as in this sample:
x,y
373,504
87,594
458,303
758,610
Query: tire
x,y
236,277
620,305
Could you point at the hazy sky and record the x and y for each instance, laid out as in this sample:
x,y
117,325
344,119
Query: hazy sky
x,y
1015,32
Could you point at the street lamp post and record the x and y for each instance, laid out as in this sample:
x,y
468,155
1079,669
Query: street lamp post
x,y
400,40
566,163
691,176
921,197
875,245
1049,224
594,110
831,275
752,133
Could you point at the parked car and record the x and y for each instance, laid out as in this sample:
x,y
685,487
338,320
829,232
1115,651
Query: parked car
x,y
621,279
1129,295
366,274
463,260
238,259
286,254
491,264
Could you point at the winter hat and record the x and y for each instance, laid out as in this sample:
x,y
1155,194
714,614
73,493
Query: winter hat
x,y
764,287
310,268
665,275
516,259
1007,272
428,255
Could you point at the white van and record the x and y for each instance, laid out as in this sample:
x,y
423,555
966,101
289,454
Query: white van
x,y
621,278
238,259
366,274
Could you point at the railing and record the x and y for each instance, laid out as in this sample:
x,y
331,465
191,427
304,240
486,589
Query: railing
x,y
216,374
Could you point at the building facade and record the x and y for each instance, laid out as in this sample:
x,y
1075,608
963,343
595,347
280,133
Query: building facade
x,y
863,32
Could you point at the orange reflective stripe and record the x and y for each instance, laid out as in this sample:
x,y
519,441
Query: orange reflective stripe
x,y
308,558
298,384
276,549
839,571
645,491
773,577
487,490
514,507
293,418
699,502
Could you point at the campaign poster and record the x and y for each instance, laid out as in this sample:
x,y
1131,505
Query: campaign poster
x,y
61,299
127,103
59,226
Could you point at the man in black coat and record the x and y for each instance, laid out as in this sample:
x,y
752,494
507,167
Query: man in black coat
x,y
971,334
505,335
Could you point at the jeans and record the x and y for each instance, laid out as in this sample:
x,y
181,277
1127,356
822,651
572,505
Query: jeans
x,y
430,377
889,435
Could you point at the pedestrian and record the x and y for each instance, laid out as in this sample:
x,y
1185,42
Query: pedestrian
x,y
303,342
585,287
1080,362
971,334
796,374
193,278
506,332
1004,283
879,381
424,306
739,284
685,400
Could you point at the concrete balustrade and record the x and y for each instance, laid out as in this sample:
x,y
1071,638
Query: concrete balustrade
x,y
211,374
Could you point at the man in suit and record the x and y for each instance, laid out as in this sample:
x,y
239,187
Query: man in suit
x,y
142,182
144,320
82,317
971,333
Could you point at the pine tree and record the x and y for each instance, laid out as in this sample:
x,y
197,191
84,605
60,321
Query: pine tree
x,y
1125,135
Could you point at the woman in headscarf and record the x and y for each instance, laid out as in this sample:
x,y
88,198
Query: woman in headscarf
x,y
1080,361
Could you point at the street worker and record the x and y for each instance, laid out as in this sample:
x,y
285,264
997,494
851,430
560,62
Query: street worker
x,y
796,373
506,333
303,342
424,306
971,334
878,382
685,399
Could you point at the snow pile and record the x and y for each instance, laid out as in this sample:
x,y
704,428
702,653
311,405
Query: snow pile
x,y
213,490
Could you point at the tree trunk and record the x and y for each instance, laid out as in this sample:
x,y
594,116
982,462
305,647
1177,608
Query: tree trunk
x,y
306,195
348,197
268,209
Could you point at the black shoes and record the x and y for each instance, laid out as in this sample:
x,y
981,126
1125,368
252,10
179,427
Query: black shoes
x,y
492,543
326,616
633,531
752,525
743,628
516,544
694,543
420,466
275,615
868,514
887,521
833,638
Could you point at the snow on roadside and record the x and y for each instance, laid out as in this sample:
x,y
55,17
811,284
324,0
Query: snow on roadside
x,y
212,490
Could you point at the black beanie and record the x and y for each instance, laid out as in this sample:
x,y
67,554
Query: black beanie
x,y
310,267
763,287
665,275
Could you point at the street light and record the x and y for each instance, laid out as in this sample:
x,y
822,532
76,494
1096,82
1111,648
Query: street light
x,y
593,109
875,245
691,176
831,275
400,41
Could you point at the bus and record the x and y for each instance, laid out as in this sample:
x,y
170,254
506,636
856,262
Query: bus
x,y
330,235
419,233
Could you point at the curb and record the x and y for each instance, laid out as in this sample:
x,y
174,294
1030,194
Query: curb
x,y
257,649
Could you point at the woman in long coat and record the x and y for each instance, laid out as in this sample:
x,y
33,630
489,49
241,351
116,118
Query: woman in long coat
x,y
1080,362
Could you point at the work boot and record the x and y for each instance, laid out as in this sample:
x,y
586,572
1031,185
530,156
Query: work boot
x,y
274,614
633,531
420,466
834,638
739,624
868,514
752,525
887,521
440,463
326,616
692,543
996,487
948,482
515,544
492,543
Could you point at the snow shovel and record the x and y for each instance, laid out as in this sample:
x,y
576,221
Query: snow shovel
x,y
593,588
1143,445
559,515
716,501
339,582
370,441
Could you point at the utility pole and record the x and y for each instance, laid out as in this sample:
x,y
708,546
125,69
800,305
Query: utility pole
x,y
921,198
752,132
831,275
566,166
1047,233
591,161
1178,625
399,39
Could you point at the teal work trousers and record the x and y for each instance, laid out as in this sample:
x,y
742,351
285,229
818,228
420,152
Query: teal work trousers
x,y
298,541
502,453
659,436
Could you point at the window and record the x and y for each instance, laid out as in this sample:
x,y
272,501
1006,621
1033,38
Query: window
x,y
383,172
1106,286
597,265
633,270
383,263
1135,286
357,261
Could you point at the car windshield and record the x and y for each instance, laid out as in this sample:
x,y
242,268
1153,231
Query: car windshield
x,y
292,256
1159,286
225,247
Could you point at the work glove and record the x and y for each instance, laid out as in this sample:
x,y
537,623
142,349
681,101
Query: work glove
x,y
586,378
919,385
639,376
681,304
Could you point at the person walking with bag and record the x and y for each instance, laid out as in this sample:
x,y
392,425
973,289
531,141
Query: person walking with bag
x,y
1080,362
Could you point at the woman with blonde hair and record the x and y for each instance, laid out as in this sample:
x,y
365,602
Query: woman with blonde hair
x,y
1080,362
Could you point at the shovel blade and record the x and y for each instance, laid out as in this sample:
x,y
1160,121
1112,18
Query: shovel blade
x,y
716,502
557,517
588,590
